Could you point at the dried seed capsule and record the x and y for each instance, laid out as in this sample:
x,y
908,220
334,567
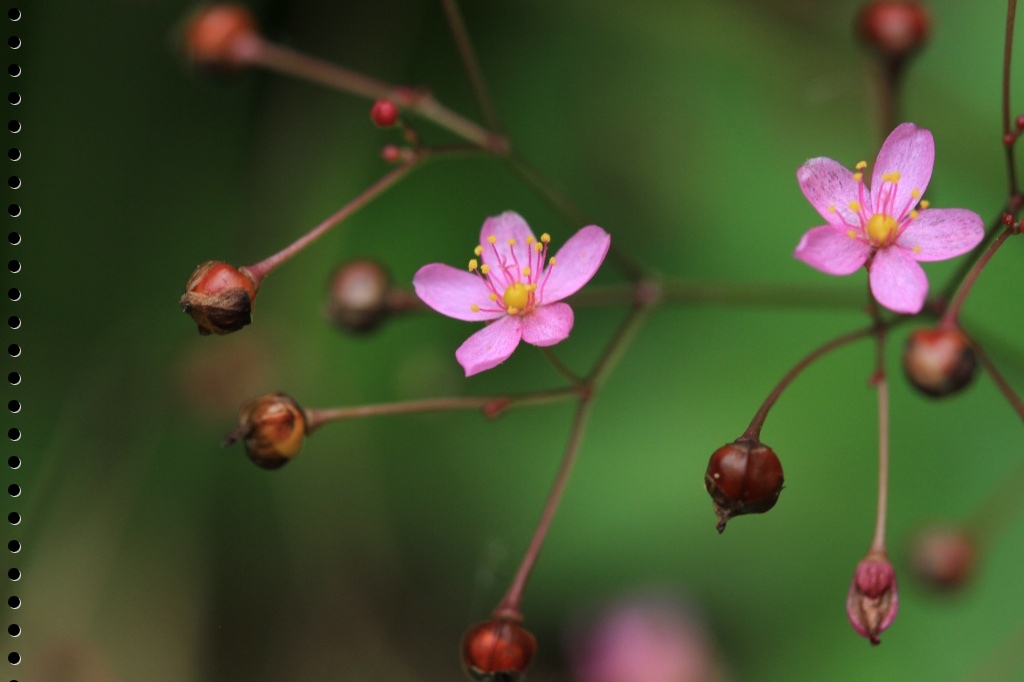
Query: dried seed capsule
x,y
943,557
743,477
219,297
272,427
497,650
939,362
894,29
358,296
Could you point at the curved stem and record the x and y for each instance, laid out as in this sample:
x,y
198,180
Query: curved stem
x,y
264,267
952,314
471,64
510,605
1008,130
753,431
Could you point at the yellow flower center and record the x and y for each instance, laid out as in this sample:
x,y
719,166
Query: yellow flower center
x,y
882,229
517,296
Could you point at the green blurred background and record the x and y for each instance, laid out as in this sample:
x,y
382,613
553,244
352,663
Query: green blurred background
x,y
152,554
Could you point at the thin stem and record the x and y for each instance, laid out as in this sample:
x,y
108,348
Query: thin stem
x,y
492,406
471,64
284,60
952,314
997,377
753,431
878,541
264,267
759,294
1011,166
889,82
967,263
647,295
560,366
510,605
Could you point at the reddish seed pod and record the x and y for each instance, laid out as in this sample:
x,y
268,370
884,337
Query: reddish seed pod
x,y
214,35
497,650
943,557
1020,122
939,362
894,29
358,295
273,428
743,477
219,297
384,113
1009,139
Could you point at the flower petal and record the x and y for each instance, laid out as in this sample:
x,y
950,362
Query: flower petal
x,y
508,225
897,281
941,233
490,346
451,292
830,188
575,263
548,324
910,151
832,250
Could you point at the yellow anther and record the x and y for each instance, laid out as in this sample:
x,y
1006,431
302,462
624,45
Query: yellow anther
x,y
852,234
473,264
854,206
892,177
479,250
511,311
475,308
551,261
925,204
526,272
492,239
831,208
545,237
532,287
861,165
538,247
913,214
917,249
511,242
484,269
530,239
858,177
882,229
493,297
916,193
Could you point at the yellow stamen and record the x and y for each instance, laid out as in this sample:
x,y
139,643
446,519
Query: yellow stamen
x,y
913,214
493,297
484,269
538,247
492,239
831,208
852,234
892,177
917,249
530,239
551,260
882,229
916,193
545,237
858,177
861,165
475,308
511,311
855,206
511,242
473,264
479,250
925,204
526,272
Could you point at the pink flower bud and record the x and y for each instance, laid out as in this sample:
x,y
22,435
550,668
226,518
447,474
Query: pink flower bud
x,y
873,600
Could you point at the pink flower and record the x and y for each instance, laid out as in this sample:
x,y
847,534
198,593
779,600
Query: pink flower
x,y
873,601
882,226
516,288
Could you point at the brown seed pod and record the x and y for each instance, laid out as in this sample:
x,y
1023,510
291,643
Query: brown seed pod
x,y
215,35
497,650
358,295
273,428
219,297
893,28
743,477
939,362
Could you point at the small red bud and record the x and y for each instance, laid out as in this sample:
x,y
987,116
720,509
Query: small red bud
x,y
384,113
215,33
939,362
1009,139
391,153
894,29
497,650
873,600
219,297
743,477
273,428
1007,220
358,295
1020,122
943,557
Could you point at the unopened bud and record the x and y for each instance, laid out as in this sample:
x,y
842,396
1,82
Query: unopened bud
x,y
892,28
743,477
219,297
497,650
939,362
943,557
216,36
272,427
384,113
873,600
358,296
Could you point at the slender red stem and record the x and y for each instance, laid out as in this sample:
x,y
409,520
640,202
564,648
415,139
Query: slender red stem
x,y
952,315
460,35
878,541
1008,126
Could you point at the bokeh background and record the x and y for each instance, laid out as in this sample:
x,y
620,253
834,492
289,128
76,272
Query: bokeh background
x,y
150,553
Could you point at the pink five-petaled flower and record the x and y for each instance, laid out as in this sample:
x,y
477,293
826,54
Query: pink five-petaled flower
x,y
873,600
882,226
516,288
